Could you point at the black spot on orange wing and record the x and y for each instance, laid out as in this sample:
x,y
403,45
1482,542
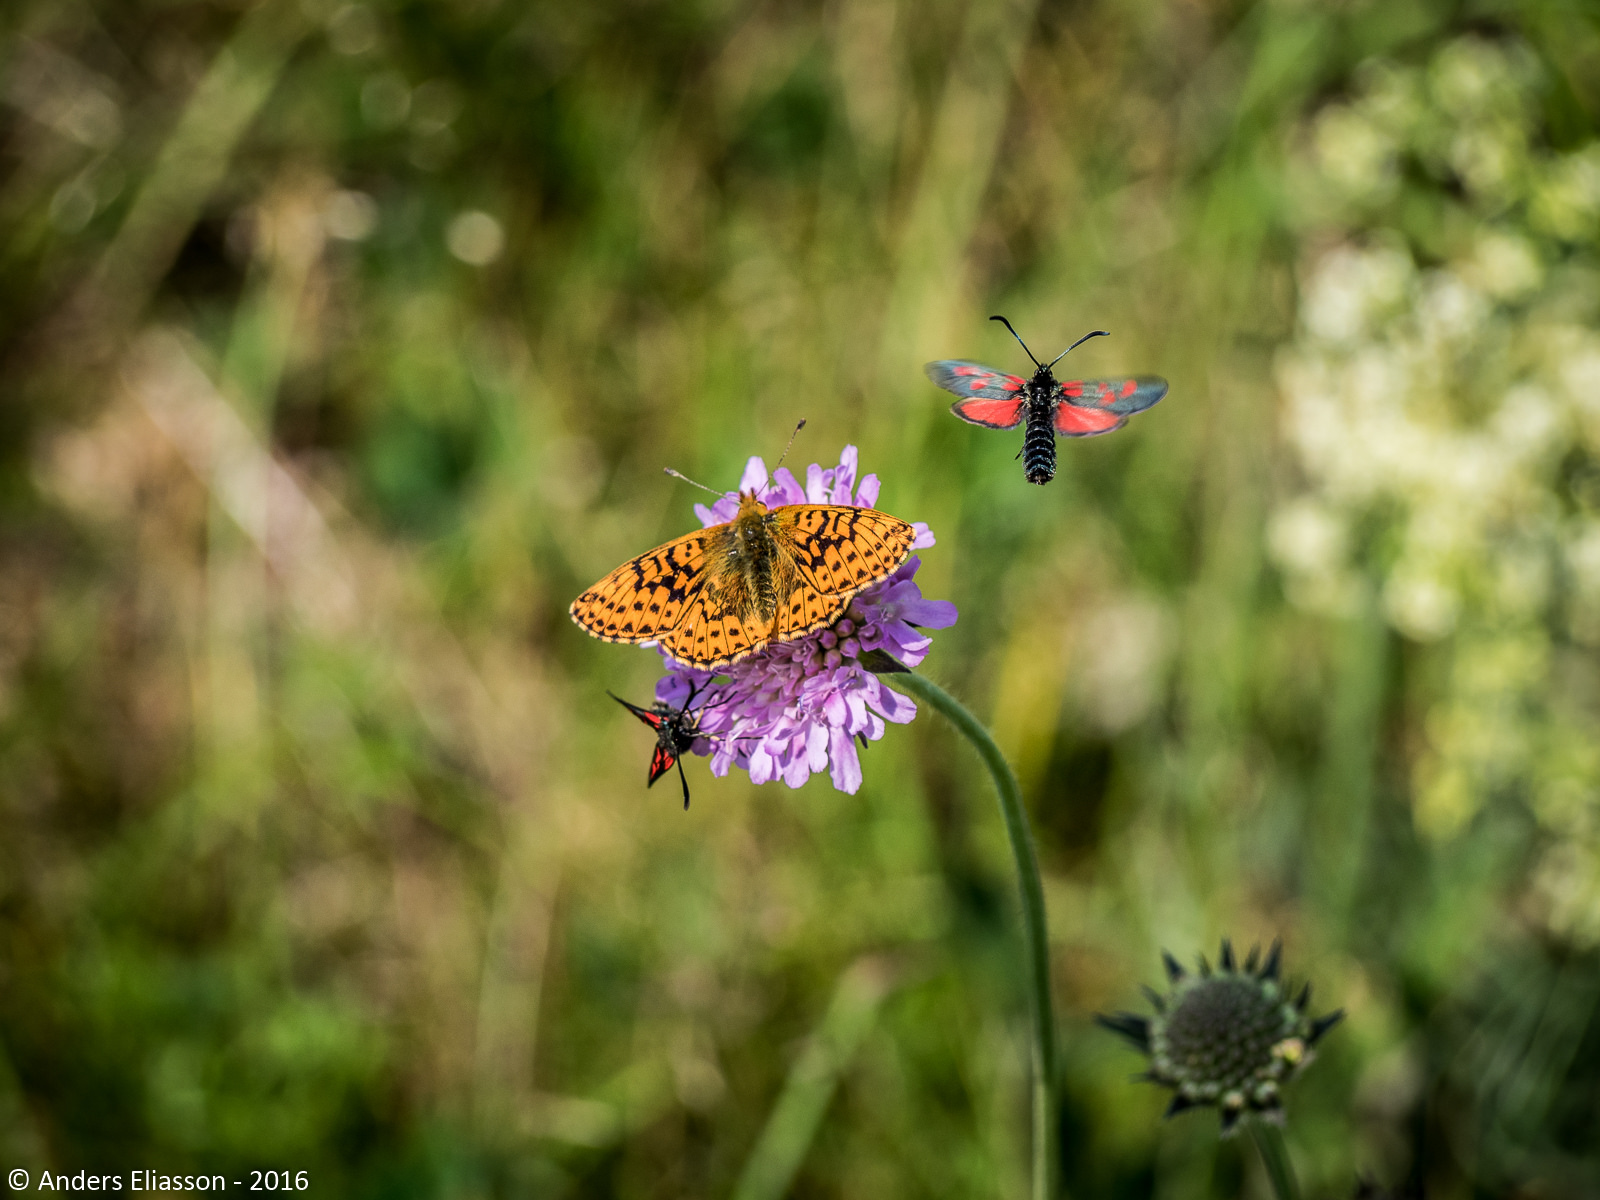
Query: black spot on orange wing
x,y
840,550
707,638
645,597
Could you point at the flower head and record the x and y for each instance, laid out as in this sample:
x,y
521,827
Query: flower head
x,y
804,705
1230,1038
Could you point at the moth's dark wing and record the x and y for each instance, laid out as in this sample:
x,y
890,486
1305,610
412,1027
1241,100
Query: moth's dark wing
x,y
1121,396
660,763
970,379
991,414
652,719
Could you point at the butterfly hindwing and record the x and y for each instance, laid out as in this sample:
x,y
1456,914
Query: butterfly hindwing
x,y
1121,396
660,763
706,637
646,596
991,414
1072,421
974,380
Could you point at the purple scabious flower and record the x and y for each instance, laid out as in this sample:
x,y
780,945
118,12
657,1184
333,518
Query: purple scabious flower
x,y
799,706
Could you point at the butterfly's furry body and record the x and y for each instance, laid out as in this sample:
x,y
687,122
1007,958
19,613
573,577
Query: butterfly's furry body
x,y
747,569
718,595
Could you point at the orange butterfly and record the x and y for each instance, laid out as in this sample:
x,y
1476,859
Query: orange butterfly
x,y
718,595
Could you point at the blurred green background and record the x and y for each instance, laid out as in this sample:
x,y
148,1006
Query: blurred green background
x,y
343,344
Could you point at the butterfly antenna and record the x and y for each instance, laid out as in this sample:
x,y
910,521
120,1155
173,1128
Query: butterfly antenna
x,y
683,779
792,437
1079,342
1018,336
686,479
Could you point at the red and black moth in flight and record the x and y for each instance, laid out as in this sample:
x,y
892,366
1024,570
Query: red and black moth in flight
x,y
676,731
1052,408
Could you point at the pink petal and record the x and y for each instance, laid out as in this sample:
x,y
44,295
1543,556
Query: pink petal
x,y
894,706
817,747
929,614
844,479
755,474
816,486
785,489
846,772
834,708
762,766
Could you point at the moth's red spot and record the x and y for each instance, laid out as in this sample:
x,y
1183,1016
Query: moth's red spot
x,y
1072,387
996,414
1128,386
967,370
1011,383
1073,420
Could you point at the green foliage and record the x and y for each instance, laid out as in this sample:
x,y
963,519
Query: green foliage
x,y
344,344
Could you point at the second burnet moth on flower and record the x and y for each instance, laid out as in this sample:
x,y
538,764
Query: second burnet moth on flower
x,y
1051,408
677,730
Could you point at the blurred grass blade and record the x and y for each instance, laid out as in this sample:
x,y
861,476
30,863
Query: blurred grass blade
x,y
793,1124
955,174
192,162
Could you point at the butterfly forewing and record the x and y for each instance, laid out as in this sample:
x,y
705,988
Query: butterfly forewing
x,y
839,550
1121,396
970,379
646,596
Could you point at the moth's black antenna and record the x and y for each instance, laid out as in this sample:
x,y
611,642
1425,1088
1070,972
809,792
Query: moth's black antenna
x,y
686,479
1079,342
683,779
1018,336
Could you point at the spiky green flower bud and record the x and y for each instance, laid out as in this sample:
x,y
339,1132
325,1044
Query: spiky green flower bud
x,y
1230,1038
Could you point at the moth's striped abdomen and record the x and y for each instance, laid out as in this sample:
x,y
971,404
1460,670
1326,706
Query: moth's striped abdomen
x,y
1039,445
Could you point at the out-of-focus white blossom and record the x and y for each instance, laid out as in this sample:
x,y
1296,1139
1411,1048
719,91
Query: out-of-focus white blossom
x,y
1443,400
1353,289
1504,265
1355,153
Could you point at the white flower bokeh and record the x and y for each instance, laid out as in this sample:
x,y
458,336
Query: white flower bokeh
x,y
1442,398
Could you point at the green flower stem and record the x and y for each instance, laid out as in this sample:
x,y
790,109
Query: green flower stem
x,y
1035,935
1275,1157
